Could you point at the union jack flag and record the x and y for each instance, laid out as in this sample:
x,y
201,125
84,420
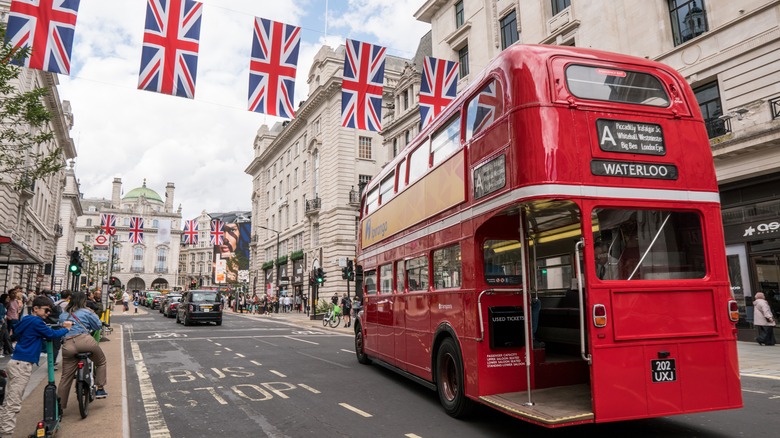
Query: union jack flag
x,y
217,232
136,230
169,59
438,88
191,232
107,224
272,68
47,27
490,105
361,87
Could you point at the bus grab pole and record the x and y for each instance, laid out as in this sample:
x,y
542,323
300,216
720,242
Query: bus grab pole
x,y
528,341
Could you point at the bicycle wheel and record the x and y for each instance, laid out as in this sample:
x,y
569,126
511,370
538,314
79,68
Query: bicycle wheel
x,y
82,393
335,321
325,320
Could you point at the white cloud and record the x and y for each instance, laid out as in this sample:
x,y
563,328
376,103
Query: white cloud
x,y
204,144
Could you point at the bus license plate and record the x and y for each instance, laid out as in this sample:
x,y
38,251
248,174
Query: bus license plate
x,y
664,370
205,309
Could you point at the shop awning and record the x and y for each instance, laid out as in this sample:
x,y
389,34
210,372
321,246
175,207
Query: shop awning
x,y
11,253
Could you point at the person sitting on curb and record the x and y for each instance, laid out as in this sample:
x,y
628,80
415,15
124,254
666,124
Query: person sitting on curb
x,y
30,333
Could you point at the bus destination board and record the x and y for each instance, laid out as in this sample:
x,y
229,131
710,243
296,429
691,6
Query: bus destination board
x,y
630,137
631,169
490,177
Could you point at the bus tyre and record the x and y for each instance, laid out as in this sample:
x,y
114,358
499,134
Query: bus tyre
x,y
362,357
450,381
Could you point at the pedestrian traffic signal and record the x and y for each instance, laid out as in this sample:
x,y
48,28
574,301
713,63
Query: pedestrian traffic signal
x,y
350,270
320,276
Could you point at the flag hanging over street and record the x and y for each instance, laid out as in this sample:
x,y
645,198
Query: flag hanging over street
x,y
169,59
272,68
47,27
361,88
136,230
107,224
191,232
217,232
438,87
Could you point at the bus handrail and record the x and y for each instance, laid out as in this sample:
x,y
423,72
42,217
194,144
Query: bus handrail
x,y
578,253
479,307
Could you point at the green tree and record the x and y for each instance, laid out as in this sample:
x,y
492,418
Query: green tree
x,y
24,125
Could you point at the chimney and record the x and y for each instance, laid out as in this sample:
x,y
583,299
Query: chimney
x,y
169,197
116,193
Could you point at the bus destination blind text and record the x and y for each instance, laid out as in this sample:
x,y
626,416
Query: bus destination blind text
x,y
629,169
490,177
630,137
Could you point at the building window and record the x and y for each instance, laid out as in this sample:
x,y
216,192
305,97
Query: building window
x,y
162,259
138,258
509,30
315,235
708,97
89,222
363,180
463,59
395,147
688,19
364,151
406,99
559,5
459,16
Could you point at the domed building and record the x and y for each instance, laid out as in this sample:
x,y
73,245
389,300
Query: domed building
x,y
146,263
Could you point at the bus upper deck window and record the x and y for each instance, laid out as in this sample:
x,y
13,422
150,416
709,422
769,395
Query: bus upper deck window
x,y
614,85
484,108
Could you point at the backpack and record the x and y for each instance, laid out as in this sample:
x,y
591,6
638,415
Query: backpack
x,y
54,316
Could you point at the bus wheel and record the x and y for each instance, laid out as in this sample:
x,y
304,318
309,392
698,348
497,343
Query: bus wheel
x,y
362,357
450,381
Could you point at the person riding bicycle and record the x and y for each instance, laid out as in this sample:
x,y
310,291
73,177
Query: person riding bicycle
x,y
80,340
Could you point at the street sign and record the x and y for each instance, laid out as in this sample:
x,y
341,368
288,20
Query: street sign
x,y
101,239
243,276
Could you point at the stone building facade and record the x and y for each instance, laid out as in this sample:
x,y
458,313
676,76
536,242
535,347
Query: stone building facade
x,y
728,51
152,264
305,178
30,225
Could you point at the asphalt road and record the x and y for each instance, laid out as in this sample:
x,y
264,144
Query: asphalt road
x,y
263,377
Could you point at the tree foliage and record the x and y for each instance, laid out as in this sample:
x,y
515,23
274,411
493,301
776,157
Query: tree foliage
x,y
24,125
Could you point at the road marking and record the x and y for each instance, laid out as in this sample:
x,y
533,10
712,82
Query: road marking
x,y
240,355
154,417
411,435
301,340
265,342
760,376
256,363
216,343
347,351
277,373
308,388
227,349
355,410
324,360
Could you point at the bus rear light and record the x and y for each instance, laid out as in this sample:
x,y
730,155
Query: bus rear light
x,y
599,315
733,311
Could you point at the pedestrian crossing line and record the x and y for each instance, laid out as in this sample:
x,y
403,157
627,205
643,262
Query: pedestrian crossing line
x,y
158,428
216,343
309,388
256,363
412,435
355,410
347,351
227,349
301,340
240,355
277,373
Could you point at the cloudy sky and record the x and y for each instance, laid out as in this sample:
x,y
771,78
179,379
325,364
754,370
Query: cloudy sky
x,y
204,144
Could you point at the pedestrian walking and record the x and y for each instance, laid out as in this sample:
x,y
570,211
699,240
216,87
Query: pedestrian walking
x,y
346,308
763,320
126,302
13,308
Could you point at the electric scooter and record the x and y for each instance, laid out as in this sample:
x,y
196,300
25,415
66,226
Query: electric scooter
x,y
52,412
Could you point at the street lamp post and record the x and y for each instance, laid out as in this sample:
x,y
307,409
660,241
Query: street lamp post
x,y
277,255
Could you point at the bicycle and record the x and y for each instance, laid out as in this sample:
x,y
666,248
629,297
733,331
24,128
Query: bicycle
x,y
52,410
86,388
333,317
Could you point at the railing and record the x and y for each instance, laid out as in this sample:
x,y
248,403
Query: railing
x,y
159,270
136,270
313,205
774,107
717,126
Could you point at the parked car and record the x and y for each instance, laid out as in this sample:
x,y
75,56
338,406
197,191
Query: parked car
x,y
153,299
169,305
200,306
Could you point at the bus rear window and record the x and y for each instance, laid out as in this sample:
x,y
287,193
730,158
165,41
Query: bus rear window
x,y
613,85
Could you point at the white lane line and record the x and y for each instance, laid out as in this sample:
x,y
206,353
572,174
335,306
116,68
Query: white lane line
x,y
277,373
324,360
308,388
355,410
154,417
240,355
256,363
347,351
216,343
411,435
228,349
301,340
760,376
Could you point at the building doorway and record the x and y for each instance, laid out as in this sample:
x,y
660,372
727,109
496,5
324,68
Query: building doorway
x,y
766,268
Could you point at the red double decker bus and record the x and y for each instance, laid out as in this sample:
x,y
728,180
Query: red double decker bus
x,y
552,246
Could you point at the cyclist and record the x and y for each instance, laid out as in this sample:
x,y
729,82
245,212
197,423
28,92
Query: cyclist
x,y
79,340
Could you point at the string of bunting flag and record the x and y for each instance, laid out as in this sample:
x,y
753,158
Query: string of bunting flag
x,y
169,59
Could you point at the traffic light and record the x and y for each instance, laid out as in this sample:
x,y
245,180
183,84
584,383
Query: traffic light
x,y
350,270
344,273
313,277
74,267
320,276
